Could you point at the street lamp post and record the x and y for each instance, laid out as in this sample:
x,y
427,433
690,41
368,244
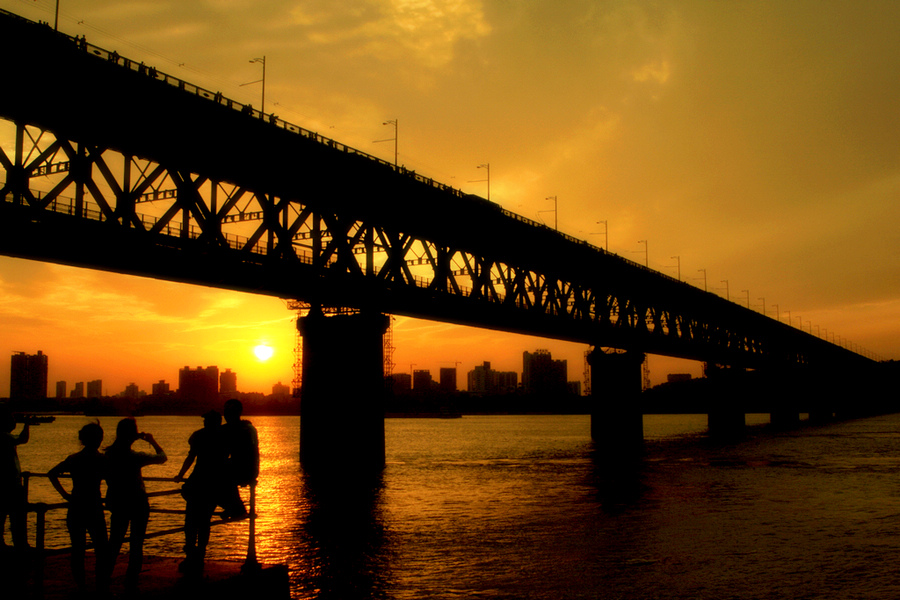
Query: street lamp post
x,y
646,252
727,294
262,61
678,261
748,297
704,278
555,212
605,234
486,167
393,139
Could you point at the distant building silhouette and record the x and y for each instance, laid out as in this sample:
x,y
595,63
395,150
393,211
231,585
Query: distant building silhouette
x,y
279,390
95,388
448,379
506,382
543,375
160,388
28,376
132,391
200,385
422,381
60,389
401,383
484,380
228,382
77,391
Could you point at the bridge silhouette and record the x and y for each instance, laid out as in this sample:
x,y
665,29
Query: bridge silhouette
x,y
122,167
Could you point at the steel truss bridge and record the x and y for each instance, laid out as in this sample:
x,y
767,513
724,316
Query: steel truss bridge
x,y
111,164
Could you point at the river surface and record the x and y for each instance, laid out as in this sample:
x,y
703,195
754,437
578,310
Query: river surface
x,y
525,507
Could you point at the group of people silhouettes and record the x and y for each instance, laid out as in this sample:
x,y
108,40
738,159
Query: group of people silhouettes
x,y
224,457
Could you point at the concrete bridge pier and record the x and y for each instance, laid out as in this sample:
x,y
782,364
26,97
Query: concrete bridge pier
x,y
342,394
727,423
617,420
725,418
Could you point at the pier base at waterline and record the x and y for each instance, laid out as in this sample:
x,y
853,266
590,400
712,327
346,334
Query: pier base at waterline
x,y
342,392
617,421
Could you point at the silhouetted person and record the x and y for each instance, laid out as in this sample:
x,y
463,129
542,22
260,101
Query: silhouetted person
x,y
85,515
12,493
126,496
204,489
242,466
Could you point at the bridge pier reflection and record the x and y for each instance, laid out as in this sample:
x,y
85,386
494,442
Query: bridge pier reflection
x,y
341,397
617,419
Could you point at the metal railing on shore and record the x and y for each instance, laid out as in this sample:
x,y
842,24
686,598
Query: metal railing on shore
x,y
251,563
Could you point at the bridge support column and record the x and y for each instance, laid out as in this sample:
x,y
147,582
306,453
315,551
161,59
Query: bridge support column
x,y
726,418
727,423
617,421
342,394
785,418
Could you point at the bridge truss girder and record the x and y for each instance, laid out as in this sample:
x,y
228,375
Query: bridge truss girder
x,y
69,201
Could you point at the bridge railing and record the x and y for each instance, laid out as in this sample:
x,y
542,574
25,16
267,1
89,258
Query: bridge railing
x,y
41,509
92,211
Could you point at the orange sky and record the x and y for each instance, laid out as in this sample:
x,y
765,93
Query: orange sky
x,y
755,140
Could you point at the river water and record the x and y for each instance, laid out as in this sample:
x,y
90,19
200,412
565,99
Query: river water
x,y
524,507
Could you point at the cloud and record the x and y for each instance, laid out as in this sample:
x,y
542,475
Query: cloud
x,y
655,71
423,31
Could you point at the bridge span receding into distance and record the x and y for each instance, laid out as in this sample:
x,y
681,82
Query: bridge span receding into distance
x,y
118,166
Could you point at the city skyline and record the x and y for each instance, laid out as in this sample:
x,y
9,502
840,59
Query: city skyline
x,y
750,151
70,384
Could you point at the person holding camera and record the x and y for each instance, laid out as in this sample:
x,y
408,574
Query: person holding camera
x,y
126,496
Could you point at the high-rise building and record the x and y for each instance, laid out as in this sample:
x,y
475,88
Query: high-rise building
x,y
160,389
543,375
95,388
77,391
448,379
200,385
227,382
421,381
28,376
60,389
506,382
484,380
401,383
132,391
479,378
279,390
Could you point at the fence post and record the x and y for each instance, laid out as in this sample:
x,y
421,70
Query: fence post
x,y
40,509
251,565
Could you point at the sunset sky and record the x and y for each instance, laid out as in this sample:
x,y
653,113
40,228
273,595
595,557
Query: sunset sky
x,y
759,141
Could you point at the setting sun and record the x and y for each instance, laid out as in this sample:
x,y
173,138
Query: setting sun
x,y
263,352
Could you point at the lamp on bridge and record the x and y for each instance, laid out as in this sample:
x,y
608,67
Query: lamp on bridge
x,y
393,139
605,234
646,252
487,167
262,61
555,212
